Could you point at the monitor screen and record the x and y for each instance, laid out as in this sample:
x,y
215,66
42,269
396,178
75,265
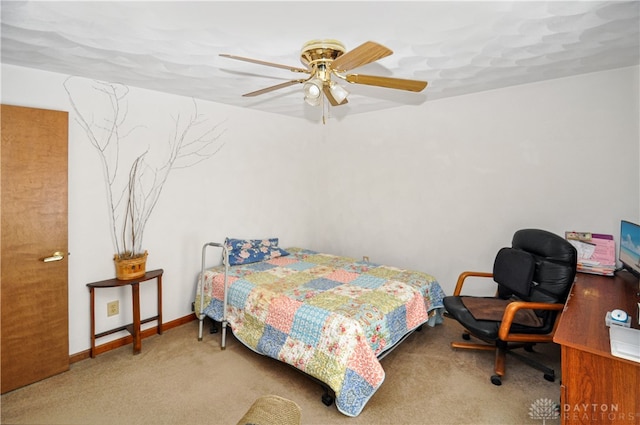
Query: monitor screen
x,y
630,247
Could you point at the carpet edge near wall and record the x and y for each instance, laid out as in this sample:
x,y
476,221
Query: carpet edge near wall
x,y
120,342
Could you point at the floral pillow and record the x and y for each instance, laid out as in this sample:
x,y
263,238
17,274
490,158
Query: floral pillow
x,y
245,251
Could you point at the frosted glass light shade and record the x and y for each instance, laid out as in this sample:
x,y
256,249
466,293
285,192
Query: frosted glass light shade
x,y
312,92
338,92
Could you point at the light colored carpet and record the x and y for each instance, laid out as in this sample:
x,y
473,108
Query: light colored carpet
x,y
178,380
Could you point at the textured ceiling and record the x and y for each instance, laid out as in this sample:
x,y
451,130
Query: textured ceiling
x,y
458,47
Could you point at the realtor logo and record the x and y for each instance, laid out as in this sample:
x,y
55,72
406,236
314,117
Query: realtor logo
x,y
544,408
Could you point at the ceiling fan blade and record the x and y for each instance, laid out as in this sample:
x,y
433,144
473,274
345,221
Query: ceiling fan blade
x,y
259,62
365,53
392,83
332,100
272,88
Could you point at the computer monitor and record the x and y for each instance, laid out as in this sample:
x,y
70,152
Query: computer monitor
x,y
629,254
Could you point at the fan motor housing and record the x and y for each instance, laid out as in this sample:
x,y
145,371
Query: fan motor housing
x,y
318,51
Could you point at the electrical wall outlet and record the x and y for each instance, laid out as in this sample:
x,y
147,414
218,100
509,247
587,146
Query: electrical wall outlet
x,y
113,308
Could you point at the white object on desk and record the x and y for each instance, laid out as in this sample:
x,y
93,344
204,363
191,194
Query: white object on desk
x,y
618,315
625,342
617,318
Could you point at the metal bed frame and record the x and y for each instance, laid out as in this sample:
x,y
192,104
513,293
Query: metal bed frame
x,y
201,316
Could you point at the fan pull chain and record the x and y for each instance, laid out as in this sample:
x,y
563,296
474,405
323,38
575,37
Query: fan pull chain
x,y
324,105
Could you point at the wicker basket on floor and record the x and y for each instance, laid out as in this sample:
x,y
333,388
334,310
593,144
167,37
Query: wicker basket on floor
x,y
272,410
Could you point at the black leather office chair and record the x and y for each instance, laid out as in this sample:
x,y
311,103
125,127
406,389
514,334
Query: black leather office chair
x,y
534,278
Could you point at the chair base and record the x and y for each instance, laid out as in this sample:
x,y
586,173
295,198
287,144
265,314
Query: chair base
x,y
501,349
549,374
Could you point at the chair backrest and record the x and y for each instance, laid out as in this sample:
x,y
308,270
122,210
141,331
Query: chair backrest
x,y
547,258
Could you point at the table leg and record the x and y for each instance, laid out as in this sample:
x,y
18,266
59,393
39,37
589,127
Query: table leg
x,y
93,324
137,343
159,279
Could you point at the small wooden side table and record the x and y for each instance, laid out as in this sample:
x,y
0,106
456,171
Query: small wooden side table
x,y
134,328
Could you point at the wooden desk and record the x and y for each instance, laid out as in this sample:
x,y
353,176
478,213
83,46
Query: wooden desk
x,y
597,387
134,328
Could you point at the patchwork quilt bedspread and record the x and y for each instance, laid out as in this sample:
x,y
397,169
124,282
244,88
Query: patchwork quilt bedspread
x,y
329,316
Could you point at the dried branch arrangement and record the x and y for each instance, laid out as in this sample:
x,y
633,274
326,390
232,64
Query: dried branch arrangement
x,y
132,197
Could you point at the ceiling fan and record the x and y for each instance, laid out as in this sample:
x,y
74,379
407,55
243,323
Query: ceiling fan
x,y
325,59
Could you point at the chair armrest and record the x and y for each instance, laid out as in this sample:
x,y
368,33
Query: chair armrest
x,y
512,308
465,275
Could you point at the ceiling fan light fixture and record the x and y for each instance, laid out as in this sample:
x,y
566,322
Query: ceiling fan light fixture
x,y
324,59
338,92
313,91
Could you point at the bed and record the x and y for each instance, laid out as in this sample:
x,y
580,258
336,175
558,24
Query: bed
x,y
329,316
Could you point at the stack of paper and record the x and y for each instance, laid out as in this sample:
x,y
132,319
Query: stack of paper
x,y
625,342
596,252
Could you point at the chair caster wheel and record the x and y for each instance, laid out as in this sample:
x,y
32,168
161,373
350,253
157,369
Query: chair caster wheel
x,y
528,348
327,400
496,380
551,377
466,337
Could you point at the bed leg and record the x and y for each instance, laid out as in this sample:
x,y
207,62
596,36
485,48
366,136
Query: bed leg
x,y
223,344
200,330
327,399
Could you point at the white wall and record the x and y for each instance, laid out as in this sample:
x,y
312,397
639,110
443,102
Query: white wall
x,y
442,187
248,189
438,187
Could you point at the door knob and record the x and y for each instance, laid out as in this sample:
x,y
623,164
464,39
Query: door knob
x,y
56,256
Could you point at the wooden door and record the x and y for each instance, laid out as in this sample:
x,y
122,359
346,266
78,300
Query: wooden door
x,y
34,330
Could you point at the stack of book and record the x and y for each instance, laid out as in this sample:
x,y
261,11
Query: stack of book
x,y
596,252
